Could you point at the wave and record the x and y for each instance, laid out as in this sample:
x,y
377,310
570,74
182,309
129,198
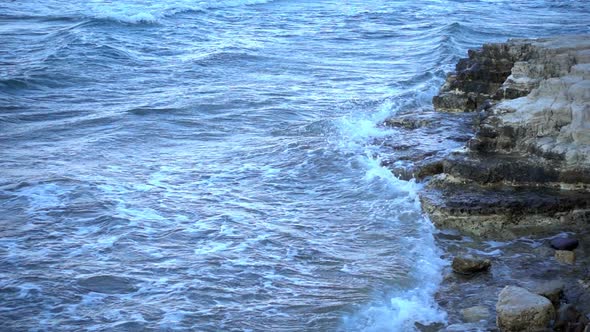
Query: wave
x,y
137,12
400,308
127,11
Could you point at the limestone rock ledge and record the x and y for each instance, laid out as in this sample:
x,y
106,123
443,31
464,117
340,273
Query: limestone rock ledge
x,y
528,164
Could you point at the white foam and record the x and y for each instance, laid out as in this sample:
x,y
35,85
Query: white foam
x,y
401,311
211,248
375,171
44,197
404,307
172,319
26,288
357,129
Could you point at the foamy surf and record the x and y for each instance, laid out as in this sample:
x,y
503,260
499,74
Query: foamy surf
x,y
397,309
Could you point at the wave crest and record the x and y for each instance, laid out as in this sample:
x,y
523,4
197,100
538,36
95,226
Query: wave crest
x,y
136,12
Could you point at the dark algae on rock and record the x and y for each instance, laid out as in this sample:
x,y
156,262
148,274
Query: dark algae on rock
x,y
515,199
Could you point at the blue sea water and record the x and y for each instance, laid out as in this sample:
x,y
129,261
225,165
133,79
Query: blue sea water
x,y
215,165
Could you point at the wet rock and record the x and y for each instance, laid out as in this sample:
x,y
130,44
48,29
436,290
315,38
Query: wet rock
x,y
585,282
470,264
565,256
411,121
501,211
552,290
434,327
564,243
475,314
422,141
520,310
568,319
467,327
492,168
108,284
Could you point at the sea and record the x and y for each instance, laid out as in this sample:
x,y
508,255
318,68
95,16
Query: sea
x,y
186,165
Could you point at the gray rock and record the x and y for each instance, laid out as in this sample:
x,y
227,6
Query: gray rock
x,y
475,314
469,264
520,310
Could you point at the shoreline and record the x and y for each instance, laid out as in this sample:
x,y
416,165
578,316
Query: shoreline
x,y
521,181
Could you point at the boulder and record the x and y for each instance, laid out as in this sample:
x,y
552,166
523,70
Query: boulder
x,y
469,264
520,310
565,256
564,243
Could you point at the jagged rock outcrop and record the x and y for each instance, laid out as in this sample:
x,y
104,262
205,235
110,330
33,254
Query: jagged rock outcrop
x,y
531,143
480,77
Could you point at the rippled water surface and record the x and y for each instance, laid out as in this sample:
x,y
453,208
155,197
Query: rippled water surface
x,y
212,165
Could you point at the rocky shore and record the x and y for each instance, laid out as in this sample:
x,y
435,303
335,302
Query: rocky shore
x,y
513,201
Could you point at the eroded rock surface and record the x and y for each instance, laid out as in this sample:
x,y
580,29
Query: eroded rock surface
x,y
528,164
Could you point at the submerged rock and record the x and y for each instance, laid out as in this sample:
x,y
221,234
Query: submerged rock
x,y
470,264
433,327
562,243
475,314
520,310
